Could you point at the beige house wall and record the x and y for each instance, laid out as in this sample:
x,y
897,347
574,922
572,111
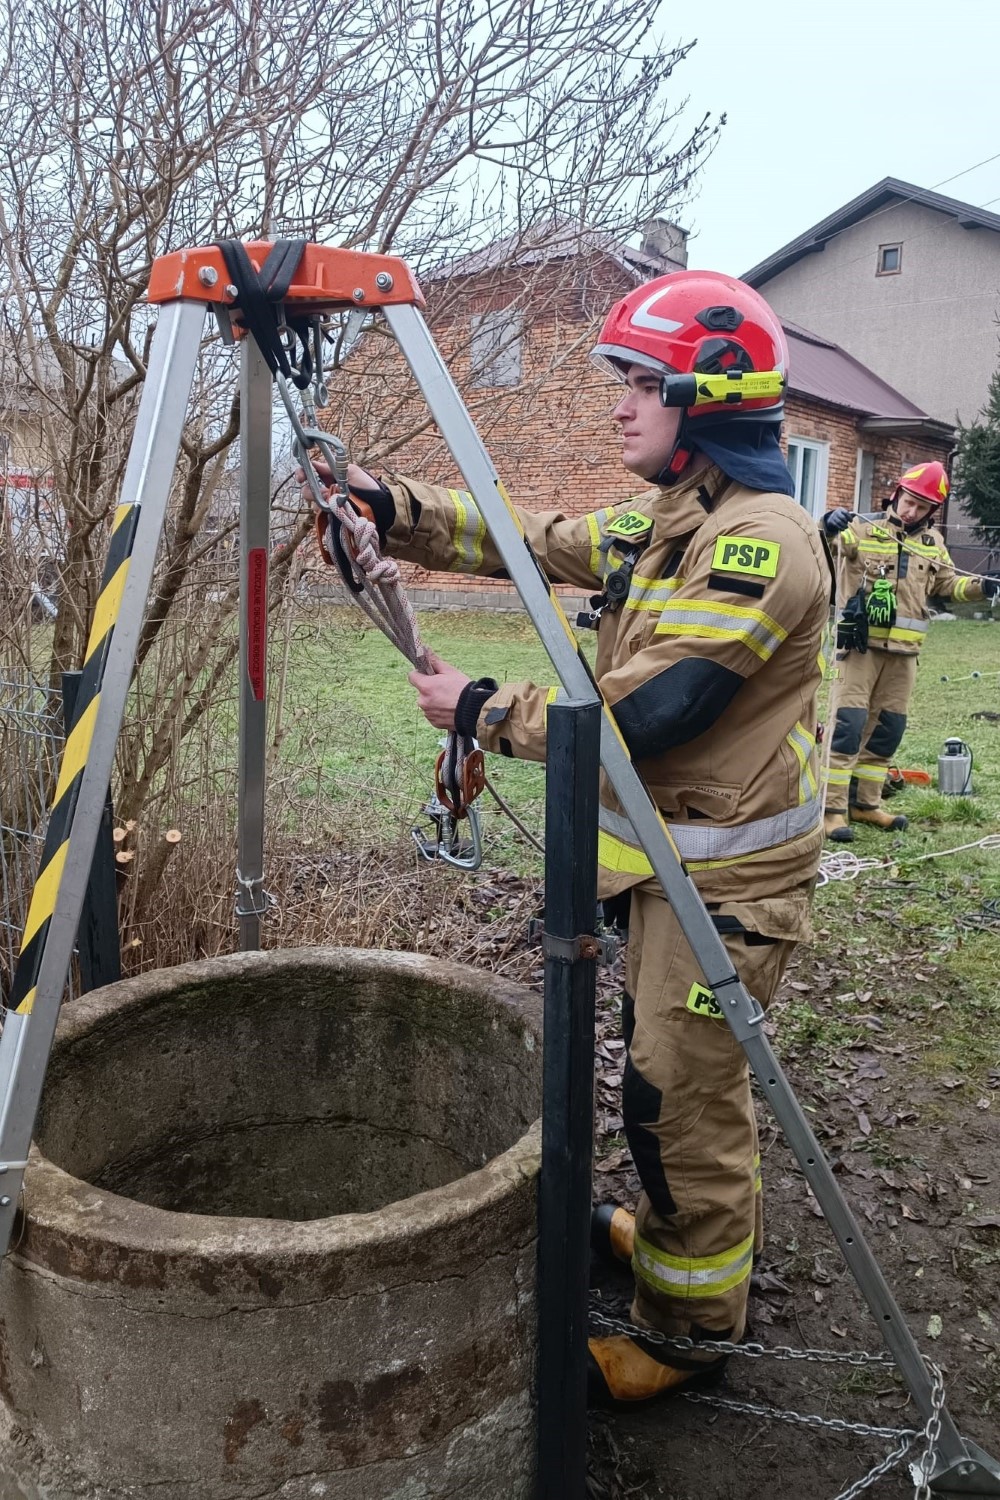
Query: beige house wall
x,y
931,330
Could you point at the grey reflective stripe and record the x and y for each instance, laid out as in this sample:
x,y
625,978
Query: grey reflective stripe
x,y
728,621
903,622
724,843
651,593
469,533
807,780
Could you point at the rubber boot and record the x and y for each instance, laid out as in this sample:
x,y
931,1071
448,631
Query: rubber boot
x,y
836,827
612,1232
621,1374
876,818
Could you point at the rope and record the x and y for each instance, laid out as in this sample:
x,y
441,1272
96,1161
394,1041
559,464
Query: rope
x,y
843,865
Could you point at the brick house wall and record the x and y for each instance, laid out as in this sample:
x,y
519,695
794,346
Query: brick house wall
x,y
841,429
550,436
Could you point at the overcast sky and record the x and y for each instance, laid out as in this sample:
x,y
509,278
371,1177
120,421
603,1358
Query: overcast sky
x,y
826,97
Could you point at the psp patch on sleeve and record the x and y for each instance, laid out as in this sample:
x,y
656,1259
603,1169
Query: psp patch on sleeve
x,y
631,525
746,554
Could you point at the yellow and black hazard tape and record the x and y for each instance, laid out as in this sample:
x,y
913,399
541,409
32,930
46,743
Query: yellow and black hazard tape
x,y
74,759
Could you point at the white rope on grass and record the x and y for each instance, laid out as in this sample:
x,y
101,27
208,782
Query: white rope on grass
x,y
843,865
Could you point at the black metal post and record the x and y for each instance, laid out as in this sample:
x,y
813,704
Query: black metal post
x,y
571,810
98,938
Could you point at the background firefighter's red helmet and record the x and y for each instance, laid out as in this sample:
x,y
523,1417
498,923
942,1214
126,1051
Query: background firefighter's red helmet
x,y
926,481
697,322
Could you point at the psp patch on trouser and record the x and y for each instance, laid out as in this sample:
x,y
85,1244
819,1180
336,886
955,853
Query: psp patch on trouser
x,y
690,1123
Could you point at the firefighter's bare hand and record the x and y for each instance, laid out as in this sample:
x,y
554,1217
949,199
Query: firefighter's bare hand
x,y
357,478
438,695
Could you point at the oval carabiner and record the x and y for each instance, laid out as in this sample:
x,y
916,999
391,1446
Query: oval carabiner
x,y
473,859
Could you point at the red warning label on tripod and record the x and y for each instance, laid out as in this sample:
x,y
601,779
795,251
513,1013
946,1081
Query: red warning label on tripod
x,y
256,624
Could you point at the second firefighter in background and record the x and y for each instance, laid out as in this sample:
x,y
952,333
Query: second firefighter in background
x,y
888,567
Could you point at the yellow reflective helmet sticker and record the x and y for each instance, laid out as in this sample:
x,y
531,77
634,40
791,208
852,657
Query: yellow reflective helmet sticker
x,y
630,525
746,554
703,1002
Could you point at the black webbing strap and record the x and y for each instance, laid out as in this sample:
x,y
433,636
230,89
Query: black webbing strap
x,y
258,296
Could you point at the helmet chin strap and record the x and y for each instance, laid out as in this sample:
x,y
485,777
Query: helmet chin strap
x,y
680,456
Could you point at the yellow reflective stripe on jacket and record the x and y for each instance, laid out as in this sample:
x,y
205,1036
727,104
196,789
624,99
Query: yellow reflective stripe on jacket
x,y
885,548
554,695
468,535
838,775
596,519
961,589
911,636
734,622
756,1173
925,549
695,1275
699,847
803,744
650,593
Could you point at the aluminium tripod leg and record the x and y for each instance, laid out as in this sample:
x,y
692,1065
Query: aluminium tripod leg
x,y
255,515
962,1468
89,752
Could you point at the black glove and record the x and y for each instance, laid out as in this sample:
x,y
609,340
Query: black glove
x,y
835,521
991,587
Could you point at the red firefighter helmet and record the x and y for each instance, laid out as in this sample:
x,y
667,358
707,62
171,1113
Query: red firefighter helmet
x,y
700,322
926,481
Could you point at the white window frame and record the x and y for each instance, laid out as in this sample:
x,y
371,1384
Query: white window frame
x,y
863,453
822,452
496,348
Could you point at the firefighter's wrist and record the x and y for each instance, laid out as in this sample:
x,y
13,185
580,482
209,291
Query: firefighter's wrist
x,y
470,704
381,504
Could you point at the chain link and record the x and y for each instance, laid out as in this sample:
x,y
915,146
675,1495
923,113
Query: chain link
x,y
931,1434
749,1350
906,1437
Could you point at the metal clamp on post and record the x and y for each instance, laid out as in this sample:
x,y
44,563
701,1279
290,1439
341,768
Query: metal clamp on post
x,y
603,949
251,898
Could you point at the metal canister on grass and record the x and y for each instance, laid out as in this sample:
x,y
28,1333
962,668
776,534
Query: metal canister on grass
x,y
955,769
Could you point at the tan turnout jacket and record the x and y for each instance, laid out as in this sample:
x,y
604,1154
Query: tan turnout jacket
x,y
917,565
731,574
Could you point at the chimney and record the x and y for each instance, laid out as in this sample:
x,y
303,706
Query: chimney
x,y
667,242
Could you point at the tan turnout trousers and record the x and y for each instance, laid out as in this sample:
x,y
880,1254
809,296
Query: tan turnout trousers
x,y
690,1125
870,701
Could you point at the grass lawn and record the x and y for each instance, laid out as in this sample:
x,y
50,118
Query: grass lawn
x,y
354,742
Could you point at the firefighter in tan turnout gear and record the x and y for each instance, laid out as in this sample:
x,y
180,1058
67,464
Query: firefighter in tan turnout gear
x,y
888,566
711,596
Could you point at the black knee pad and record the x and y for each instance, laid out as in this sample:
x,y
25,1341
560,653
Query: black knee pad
x,y
640,1110
848,728
888,732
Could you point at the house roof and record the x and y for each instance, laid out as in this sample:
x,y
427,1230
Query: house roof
x,y
555,239
821,371
889,190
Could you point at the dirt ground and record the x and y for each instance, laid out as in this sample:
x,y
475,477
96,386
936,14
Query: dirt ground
x,y
916,1156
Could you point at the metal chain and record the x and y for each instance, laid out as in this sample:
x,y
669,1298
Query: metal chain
x,y
748,1351
931,1434
803,1419
906,1436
